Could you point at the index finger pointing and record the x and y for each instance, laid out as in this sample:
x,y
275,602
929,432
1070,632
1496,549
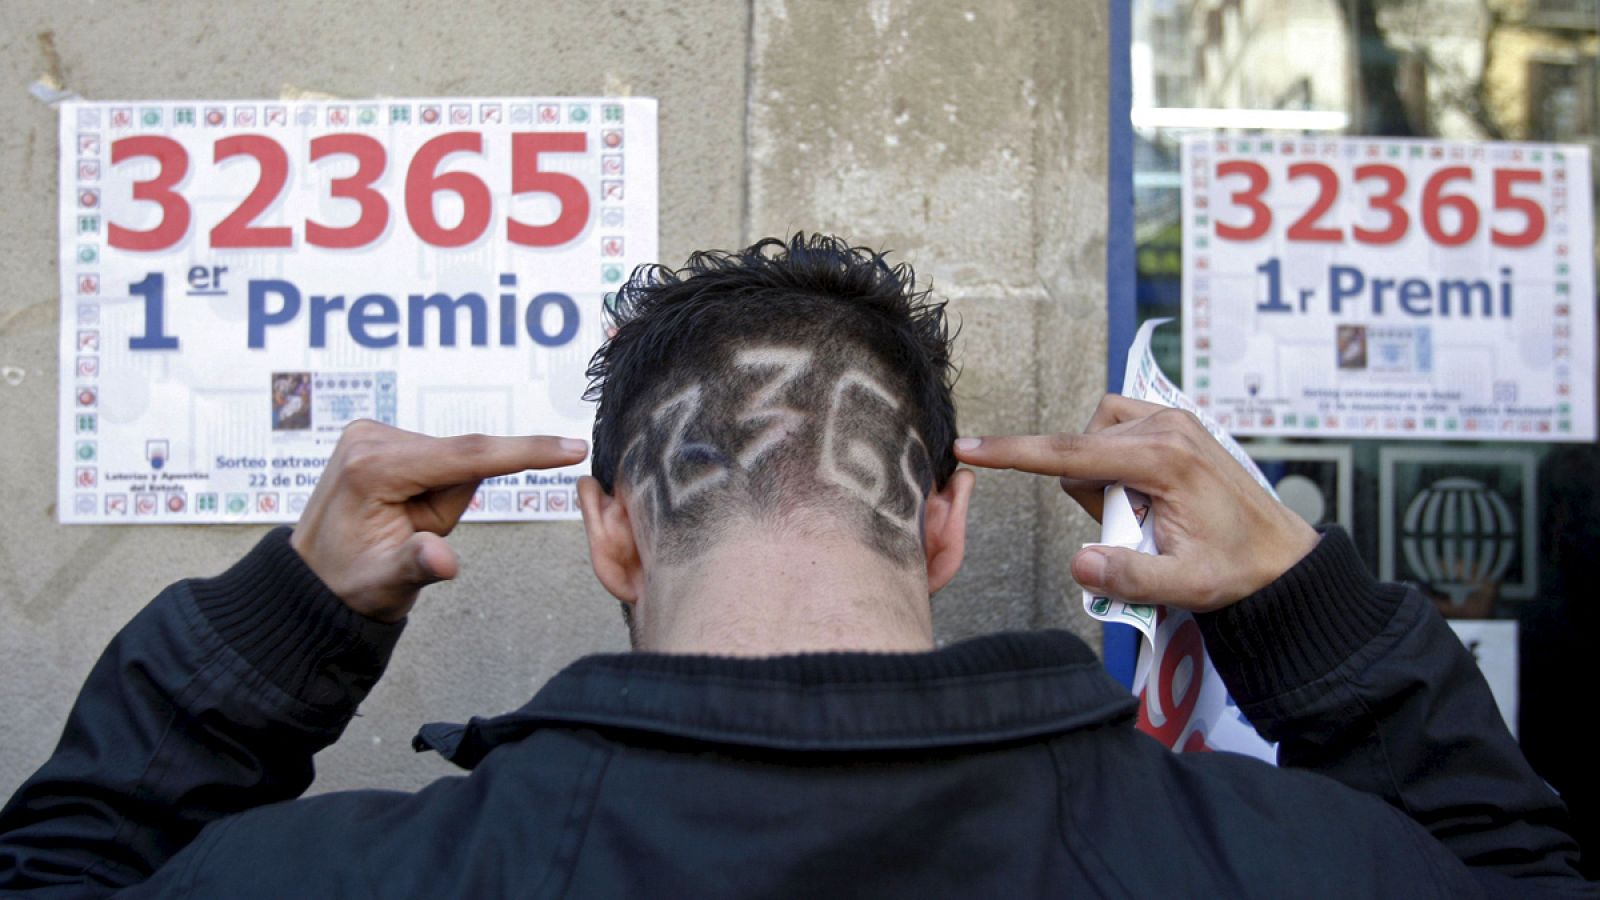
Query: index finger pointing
x,y
427,463
1138,459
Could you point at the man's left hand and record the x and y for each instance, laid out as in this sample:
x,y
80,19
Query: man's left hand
x,y
375,526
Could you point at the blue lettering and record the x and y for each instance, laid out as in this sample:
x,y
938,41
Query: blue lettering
x,y
1343,282
534,319
320,307
508,311
259,318
1272,269
374,309
1465,291
1416,297
153,288
448,307
1379,285
374,320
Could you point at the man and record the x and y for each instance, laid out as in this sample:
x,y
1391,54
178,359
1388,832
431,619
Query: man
x,y
775,497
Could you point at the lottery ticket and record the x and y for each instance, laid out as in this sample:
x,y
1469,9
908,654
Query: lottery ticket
x,y
311,409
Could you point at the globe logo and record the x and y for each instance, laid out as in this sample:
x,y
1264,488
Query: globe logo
x,y
1458,535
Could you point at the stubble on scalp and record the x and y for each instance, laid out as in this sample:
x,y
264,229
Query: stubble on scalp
x,y
791,438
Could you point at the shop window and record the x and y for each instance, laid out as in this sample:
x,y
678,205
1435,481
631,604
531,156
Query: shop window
x,y
1499,533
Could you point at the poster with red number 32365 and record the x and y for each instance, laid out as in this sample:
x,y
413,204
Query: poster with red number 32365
x,y
1390,288
242,279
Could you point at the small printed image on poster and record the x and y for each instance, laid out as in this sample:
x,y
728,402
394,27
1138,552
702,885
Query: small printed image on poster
x,y
291,401
1314,480
1461,523
1352,347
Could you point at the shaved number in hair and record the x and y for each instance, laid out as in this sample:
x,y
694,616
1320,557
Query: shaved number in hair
x,y
864,450
860,467
679,491
780,421
674,414
643,483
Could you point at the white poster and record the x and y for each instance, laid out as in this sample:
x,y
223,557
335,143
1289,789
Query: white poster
x,y
1389,288
240,280
1493,643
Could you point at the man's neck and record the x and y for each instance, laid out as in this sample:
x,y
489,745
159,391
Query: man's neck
x,y
763,595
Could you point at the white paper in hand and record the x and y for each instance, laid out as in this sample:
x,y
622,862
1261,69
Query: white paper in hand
x,y
1125,522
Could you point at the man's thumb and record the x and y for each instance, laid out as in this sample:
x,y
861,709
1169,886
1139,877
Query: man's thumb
x,y
431,559
1129,575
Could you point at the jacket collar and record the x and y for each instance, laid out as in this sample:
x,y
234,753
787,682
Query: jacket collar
x,y
992,689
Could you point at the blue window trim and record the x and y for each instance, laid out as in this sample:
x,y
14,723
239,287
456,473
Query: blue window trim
x,y
1120,642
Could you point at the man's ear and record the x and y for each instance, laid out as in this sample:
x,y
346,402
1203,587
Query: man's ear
x,y
613,550
944,528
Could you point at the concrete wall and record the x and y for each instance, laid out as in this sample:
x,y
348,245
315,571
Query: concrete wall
x,y
968,137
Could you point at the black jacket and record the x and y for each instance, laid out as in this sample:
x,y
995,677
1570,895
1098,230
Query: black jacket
x,y
1005,766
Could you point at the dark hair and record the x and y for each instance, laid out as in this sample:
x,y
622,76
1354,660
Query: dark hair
x,y
784,375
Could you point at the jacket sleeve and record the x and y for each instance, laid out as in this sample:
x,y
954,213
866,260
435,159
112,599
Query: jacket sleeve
x,y
211,701
1365,683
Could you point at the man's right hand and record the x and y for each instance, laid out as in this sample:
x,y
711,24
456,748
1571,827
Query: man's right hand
x,y
1222,537
375,526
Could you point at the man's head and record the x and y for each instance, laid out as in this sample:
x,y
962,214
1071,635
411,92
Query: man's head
x,y
797,391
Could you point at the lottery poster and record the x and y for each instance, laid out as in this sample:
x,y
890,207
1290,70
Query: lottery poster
x,y
1390,288
241,280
